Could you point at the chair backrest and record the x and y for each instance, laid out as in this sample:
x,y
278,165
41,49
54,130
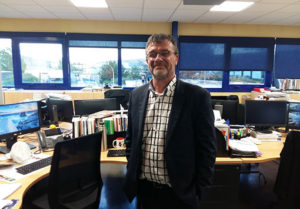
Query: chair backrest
x,y
122,96
89,106
287,182
75,180
221,144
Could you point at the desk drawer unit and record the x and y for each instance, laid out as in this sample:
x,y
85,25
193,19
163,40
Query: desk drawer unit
x,y
224,192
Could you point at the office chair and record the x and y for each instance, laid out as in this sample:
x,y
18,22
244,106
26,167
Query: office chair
x,y
122,96
221,144
287,182
74,181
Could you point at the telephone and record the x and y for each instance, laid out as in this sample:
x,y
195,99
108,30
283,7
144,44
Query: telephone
x,y
48,141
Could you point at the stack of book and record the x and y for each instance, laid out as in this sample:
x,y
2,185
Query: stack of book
x,y
274,136
289,84
112,123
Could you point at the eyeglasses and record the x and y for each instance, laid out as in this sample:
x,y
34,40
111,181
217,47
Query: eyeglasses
x,y
153,54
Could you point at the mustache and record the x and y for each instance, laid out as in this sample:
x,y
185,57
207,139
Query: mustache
x,y
158,64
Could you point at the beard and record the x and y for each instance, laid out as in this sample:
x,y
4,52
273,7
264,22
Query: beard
x,y
161,72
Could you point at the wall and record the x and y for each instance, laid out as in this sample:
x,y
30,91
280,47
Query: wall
x,y
126,27
239,30
83,26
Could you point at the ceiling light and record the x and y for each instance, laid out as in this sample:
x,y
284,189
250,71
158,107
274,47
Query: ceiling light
x,y
202,2
90,3
231,6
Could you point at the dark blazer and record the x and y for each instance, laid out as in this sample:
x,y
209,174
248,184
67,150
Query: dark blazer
x,y
190,149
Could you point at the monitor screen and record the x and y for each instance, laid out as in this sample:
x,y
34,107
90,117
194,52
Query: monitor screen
x,y
265,114
90,106
19,118
63,107
294,115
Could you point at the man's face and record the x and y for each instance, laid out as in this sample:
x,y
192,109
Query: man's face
x,y
161,59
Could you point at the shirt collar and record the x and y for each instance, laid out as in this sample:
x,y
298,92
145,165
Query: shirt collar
x,y
168,90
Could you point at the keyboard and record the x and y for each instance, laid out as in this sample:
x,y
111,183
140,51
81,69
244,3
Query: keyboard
x,y
28,168
116,153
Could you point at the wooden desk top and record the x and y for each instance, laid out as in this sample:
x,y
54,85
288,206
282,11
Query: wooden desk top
x,y
271,151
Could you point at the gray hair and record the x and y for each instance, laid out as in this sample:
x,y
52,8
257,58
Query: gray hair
x,y
159,37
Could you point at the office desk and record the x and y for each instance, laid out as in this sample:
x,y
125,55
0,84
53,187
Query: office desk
x,y
271,151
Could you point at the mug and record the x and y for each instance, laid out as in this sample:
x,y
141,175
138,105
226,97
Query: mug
x,y
118,142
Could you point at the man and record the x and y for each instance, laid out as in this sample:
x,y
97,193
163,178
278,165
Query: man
x,y
170,142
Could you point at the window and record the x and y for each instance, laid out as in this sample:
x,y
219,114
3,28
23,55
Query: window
x,y
6,62
205,79
287,58
226,63
41,62
98,66
202,63
113,60
134,67
247,77
250,65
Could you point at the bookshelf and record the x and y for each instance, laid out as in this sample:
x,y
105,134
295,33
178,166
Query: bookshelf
x,y
113,124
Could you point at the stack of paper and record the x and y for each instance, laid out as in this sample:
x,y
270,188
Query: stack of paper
x,y
243,146
274,136
8,189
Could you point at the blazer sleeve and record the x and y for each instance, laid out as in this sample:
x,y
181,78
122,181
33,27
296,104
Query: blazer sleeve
x,y
206,144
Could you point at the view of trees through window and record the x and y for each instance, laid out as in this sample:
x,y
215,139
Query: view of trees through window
x,y
205,79
134,67
41,63
99,67
93,67
6,63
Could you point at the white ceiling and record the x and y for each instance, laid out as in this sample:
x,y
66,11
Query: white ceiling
x,y
275,12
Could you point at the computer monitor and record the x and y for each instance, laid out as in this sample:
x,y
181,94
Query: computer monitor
x,y
265,114
293,115
122,96
59,109
228,109
16,119
90,106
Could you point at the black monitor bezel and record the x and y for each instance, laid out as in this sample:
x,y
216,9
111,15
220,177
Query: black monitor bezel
x,y
57,101
227,113
17,133
269,124
83,102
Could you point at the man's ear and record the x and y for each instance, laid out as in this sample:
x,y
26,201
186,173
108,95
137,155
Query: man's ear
x,y
177,58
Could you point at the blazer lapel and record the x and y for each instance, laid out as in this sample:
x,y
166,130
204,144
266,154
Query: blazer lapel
x,y
141,109
178,102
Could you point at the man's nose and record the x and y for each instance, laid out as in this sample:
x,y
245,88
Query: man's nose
x,y
159,56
